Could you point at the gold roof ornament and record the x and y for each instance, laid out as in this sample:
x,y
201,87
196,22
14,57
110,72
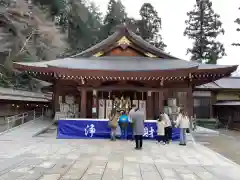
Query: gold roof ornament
x,y
124,41
98,54
150,55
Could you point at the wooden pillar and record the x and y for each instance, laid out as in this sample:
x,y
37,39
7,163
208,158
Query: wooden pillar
x,y
83,111
156,104
55,98
213,101
190,101
161,101
149,105
94,104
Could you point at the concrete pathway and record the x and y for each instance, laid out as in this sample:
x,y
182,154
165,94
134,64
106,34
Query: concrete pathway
x,y
205,131
226,143
26,130
51,159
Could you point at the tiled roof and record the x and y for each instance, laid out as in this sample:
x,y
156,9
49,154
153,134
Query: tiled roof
x,y
112,39
11,94
122,63
224,83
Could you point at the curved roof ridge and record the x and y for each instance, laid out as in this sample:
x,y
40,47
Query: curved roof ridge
x,y
121,31
147,44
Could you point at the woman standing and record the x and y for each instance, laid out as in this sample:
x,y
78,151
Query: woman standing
x,y
183,123
113,123
168,127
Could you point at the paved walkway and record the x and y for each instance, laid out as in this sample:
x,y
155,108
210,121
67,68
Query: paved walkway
x,y
26,130
226,143
206,131
51,159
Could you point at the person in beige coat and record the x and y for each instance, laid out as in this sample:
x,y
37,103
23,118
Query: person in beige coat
x,y
183,123
113,122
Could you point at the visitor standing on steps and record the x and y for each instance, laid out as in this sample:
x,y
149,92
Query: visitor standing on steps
x,y
138,127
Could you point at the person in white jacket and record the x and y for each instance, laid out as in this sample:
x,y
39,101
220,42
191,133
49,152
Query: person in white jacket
x,y
168,127
161,138
183,123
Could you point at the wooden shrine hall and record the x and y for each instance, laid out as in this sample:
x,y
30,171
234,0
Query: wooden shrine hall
x,y
126,67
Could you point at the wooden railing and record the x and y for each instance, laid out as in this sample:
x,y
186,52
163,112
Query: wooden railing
x,y
20,119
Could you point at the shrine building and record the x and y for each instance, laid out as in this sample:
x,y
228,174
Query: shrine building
x,y
123,66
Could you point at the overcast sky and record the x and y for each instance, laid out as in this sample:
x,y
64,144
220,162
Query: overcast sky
x,y
173,14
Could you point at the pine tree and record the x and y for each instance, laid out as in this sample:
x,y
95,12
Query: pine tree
x,y
80,20
203,27
82,23
116,15
55,6
150,26
237,21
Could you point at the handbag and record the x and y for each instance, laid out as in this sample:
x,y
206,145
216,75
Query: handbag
x,y
187,130
110,123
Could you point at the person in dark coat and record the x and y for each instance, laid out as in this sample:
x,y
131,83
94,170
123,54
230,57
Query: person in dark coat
x,y
138,128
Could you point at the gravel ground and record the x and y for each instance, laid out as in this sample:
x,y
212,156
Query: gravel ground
x,y
227,144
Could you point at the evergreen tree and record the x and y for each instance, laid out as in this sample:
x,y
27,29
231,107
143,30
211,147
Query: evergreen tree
x,y
116,15
203,27
84,24
55,6
80,20
237,21
150,26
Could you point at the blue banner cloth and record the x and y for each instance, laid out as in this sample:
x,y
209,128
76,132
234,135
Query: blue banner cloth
x,y
98,128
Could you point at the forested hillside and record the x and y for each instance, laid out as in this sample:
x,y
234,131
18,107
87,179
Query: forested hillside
x,y
38,30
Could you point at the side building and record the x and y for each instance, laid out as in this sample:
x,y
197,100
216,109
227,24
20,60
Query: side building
x,y
219,99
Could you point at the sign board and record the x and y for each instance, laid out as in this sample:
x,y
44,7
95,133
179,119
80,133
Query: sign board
x,y
98,128
142,107
108,107
135,102
101,108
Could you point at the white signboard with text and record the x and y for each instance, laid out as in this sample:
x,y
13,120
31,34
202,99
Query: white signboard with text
x,y
135,102
101,108
142,107
108,107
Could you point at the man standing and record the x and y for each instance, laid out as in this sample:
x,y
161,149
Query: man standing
x,y
130,117
138,127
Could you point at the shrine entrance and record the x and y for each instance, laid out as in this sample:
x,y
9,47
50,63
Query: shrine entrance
x,y
150,102
124,99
